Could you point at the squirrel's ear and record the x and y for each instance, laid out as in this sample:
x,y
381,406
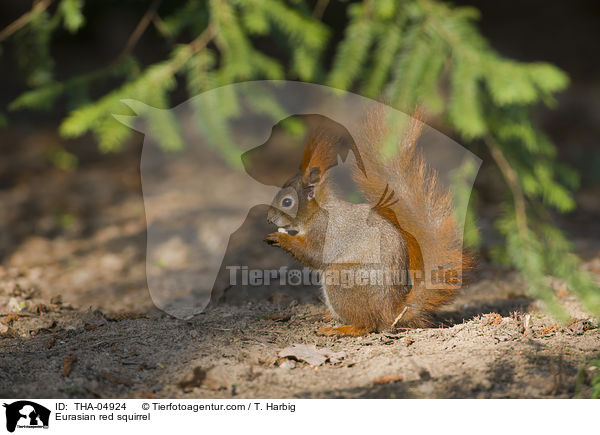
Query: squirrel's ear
x,y
319,152
312,177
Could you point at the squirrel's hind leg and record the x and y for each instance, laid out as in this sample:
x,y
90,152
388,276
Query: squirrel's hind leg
x,y
344,331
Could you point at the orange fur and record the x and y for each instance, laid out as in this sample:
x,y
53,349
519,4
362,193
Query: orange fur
x,y
343,331
420,208
413,209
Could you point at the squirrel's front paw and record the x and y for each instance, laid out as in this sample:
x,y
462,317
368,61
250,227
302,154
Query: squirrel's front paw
x,y
274,239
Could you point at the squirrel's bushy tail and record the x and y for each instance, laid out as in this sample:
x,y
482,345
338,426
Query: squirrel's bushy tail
x,y
407,192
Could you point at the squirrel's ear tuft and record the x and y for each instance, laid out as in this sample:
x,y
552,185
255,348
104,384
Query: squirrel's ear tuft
x,y
320,151
312,177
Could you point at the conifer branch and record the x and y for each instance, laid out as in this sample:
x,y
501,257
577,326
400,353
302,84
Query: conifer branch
x,y
140,29
510,176
24,19
319,9
203,39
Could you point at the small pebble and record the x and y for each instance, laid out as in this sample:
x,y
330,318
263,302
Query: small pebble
x,y
288,365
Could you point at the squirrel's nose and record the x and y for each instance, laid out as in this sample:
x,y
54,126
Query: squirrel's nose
x,y
275,216
271,215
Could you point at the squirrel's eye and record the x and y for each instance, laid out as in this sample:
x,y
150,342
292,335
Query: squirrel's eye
x,y
287,202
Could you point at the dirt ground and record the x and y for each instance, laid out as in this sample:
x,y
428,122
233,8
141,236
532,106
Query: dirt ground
x,y
77,320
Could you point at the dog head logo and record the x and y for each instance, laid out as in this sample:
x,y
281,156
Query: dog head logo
x,y
224,158
26,414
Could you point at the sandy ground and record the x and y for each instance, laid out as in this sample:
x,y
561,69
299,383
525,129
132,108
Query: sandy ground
x,y
77,320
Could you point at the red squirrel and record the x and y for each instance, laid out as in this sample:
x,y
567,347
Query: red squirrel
x,y
407,208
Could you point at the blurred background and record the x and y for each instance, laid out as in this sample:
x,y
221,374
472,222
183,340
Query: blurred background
x,y
515,82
